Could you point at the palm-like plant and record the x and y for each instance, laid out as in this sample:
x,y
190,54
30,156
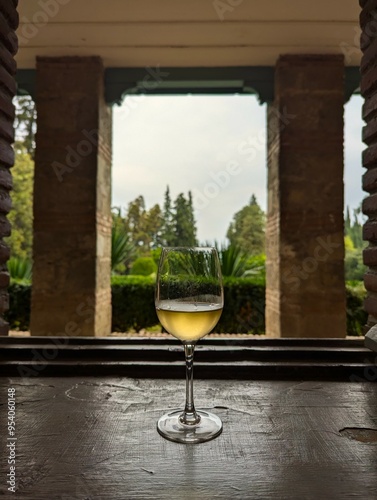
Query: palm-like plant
x,y
233,261
122,247
236,263
19,269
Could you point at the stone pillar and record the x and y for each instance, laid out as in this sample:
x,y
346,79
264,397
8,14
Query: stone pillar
x,y
8,48
71,292
368,69
305,294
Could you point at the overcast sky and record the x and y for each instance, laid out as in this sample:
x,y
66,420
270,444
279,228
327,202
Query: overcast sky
x,y
211,145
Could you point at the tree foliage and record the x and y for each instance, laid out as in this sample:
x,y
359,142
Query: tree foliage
x,y
25,123
247,229
178,221
184,222
144,225
354,227
354,245
153,228
167,229
21,215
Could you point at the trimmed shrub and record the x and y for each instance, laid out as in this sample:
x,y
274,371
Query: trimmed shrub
x,y
244,306
132,303
143,266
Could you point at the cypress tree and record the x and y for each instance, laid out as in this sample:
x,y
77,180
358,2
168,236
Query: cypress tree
x,y
167,232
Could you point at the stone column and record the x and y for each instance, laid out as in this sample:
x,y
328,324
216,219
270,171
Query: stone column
x,y
8,48
305,294
368,23
71,292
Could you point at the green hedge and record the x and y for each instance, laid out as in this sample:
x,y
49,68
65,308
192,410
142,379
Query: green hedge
x,y
19,306
244,305
133,305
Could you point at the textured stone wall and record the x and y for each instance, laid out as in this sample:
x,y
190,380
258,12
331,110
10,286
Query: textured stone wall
x,y
368,23
8,48
305,250
71,292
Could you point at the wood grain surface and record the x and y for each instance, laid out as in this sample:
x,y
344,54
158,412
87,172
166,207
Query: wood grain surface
x,y
96,438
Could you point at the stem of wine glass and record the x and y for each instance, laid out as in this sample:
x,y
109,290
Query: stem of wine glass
x,y
189,415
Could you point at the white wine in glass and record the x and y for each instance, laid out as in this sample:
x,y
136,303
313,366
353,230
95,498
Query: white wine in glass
x,y
189,301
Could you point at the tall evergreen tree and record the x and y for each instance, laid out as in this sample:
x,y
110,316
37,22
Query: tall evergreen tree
x,y
354,228
184,229
167,230
247,229
150,229
347,221
192,225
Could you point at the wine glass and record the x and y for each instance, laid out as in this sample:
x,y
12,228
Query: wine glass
x,y
189,301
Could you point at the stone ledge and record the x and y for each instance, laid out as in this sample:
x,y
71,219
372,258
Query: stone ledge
x,y
371,339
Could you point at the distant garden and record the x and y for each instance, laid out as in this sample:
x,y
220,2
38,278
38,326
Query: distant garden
x,y
138,233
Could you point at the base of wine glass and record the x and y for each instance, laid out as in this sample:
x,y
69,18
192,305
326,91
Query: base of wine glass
x,y
170,427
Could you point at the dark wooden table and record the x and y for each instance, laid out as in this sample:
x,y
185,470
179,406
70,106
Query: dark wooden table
x,y
94,437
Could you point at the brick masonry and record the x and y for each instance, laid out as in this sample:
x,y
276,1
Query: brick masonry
x,y
8,48
305,294
72,220
368,67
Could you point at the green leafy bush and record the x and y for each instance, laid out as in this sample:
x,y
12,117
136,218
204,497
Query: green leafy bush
x,y
19,268
144,266
256,267
237,263
356,315
122,248
232,260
